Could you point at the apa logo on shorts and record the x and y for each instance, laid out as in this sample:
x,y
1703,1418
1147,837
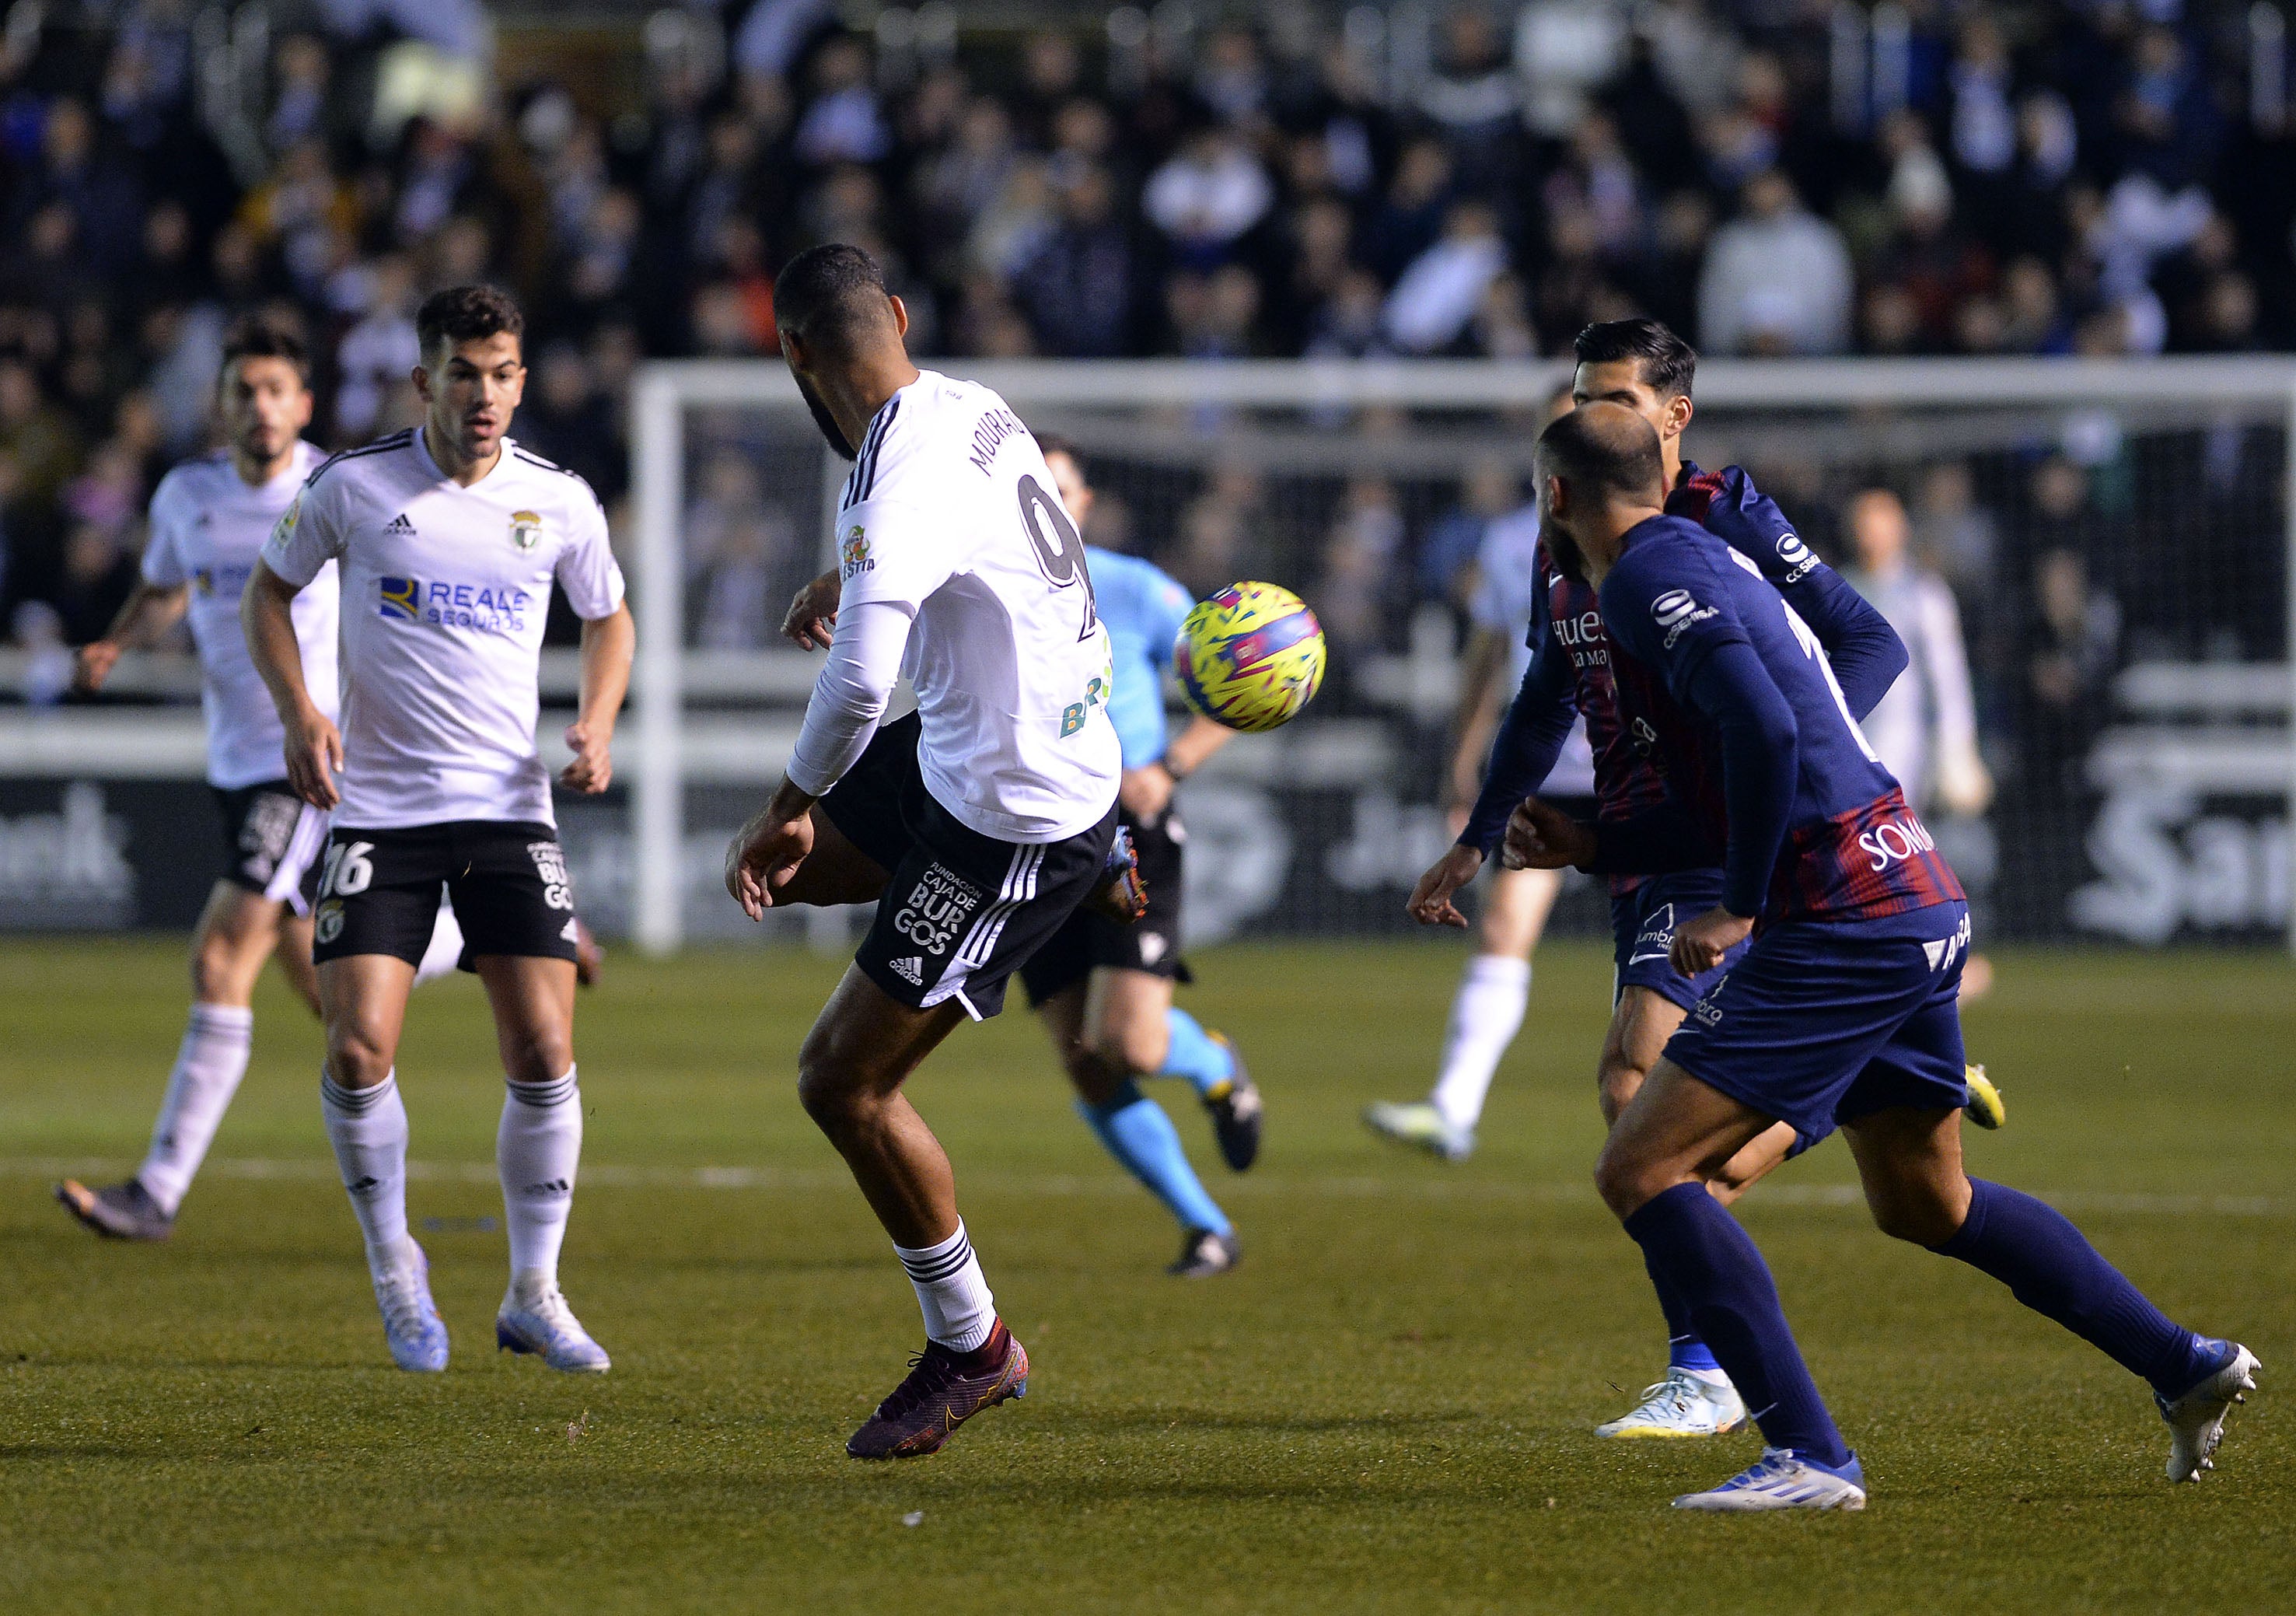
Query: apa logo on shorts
x,y
853,553
936,909
525,528
1947,949
550,864
328,923
1677,611
1796,555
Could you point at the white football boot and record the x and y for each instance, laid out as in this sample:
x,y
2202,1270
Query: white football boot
x,y
534,1318
1685,1404
1418,1122
2196,1419
411,1325
1781,1479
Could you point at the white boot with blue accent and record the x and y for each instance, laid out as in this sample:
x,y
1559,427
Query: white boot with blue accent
x,y
536,1319
1783,1478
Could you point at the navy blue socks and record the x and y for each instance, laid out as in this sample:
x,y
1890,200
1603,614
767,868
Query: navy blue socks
x,y
2049,1265
1696,1246
1683,1349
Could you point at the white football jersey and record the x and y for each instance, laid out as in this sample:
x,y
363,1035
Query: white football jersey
x,y
950,514
445,590
208,527
1508,582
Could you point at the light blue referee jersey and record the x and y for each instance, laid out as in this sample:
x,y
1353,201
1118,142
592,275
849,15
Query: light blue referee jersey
x,y
1141,606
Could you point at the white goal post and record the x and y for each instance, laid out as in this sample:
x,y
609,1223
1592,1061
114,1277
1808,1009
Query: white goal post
x,y
2192,393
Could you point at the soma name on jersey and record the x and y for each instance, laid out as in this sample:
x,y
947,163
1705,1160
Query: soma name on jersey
x,y
491,607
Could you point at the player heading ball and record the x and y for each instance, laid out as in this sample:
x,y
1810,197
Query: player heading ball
x,y
448,538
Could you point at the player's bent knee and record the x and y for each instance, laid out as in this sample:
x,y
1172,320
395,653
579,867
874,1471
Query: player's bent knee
x,y
1133,1049
1624,1181
356,1058
1917,1220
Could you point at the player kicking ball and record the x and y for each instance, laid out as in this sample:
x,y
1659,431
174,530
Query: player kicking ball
x,y
1104,986
1841,1013
976,824
447,537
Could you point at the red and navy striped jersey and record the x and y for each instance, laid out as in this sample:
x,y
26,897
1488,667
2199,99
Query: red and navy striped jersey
x,y
1853,849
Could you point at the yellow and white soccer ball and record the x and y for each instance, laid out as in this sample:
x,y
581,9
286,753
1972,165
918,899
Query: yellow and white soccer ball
x,y
1251,657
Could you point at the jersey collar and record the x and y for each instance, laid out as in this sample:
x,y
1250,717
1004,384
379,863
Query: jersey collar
x,y
423,447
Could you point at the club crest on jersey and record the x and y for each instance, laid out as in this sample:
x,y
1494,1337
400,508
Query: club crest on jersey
x,y
525,528
853,553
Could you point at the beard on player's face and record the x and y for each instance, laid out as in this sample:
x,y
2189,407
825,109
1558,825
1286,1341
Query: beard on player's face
x,y
1568,560
823,419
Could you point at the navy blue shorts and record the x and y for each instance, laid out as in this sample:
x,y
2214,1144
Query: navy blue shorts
x,y
1821,1024
1642,930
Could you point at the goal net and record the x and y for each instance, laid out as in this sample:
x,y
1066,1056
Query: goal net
x,y
2113,538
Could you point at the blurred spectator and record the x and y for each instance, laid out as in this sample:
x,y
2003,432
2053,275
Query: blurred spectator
x,y
1444,287
2072,181
1206,196
1448,553
1778,278
1926,727
1352,594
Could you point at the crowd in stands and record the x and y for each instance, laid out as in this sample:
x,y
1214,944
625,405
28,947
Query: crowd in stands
x,y
2044,177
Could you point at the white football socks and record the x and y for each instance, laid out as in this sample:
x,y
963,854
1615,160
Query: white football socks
x,y
444,952
1484,1017
536,1150
209,1066
367,1126
951,1290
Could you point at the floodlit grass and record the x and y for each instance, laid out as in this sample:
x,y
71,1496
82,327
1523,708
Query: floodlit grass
x,y
1387,1408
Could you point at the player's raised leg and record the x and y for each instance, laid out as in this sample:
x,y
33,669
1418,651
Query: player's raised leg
x,y
861,1050
1486,1013
364,999
1911,1165
537,1153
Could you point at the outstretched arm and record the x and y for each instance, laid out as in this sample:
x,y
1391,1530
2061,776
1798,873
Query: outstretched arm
x,y
148,611
848,698
1529,739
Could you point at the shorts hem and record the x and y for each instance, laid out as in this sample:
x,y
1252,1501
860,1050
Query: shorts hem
x,y
1738,1092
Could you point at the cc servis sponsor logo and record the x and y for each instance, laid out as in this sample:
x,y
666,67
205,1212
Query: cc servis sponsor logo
x,y
1676,611
1894,839
1797,557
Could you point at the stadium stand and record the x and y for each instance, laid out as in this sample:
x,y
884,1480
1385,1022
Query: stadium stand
x,y
2099,177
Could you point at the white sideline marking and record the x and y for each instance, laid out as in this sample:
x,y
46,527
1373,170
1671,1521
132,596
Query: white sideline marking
x,y
611,1175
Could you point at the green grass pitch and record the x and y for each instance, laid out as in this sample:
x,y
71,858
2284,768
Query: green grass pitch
x,y
1387,1408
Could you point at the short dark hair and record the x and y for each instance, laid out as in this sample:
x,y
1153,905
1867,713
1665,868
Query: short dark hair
x,y
1605,446
464,314
1669,364
1049,444
827,293
261,339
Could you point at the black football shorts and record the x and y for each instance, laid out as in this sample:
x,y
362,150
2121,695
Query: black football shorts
x,y
379,890
271,841
960,911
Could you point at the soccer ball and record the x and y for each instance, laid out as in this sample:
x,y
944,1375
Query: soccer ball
x,y
1251,657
